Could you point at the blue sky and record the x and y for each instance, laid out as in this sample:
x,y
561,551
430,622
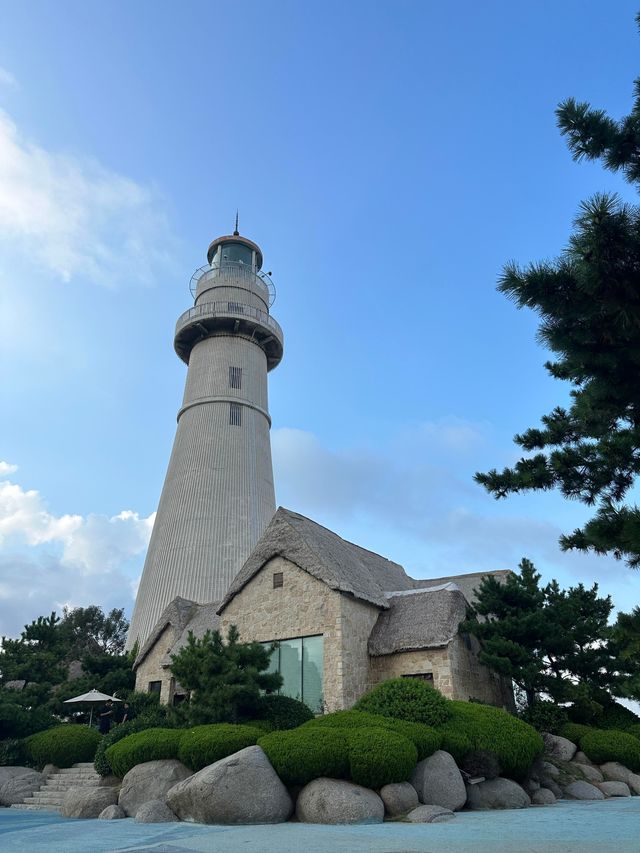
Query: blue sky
x,y
389,158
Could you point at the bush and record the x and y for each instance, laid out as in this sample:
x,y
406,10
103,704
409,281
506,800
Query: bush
x,y
406,699
148,745
19,722
616,716
515,743
545,717
575,732
13,753
283,712
203,745
147,720
425,739
634,730
379,756
63,746
303,754
610,745
482,762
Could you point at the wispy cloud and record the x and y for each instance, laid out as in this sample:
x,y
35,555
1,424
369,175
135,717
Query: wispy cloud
x,y
7,80
75,217
6,468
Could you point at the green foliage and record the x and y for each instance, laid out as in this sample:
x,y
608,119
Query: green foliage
x,y
283,712
515,744
152,716
225,679
300,755
13,753
426,739
63,746
589,311
634,730
16,721
148,745
204,745
379,756
625,647
482,762
545,717
610,745
406,699
616,716
575,732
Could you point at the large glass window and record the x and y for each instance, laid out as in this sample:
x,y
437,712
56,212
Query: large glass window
x,y
300,663
236,253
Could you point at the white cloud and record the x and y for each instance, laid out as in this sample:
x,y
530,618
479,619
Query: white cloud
x,y
7,468
7,79
74,216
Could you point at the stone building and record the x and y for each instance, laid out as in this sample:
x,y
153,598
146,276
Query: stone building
x,y
343,619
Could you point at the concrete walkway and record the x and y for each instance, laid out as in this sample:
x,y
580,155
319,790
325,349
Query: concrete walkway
x,y
611,826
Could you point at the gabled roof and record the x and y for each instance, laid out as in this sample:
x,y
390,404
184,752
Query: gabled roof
x,y
339,564
204,618
467,584
177,615
420,619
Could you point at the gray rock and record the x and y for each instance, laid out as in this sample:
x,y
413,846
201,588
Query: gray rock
x,y
614,789
7,773
583,791
335,801
16,789
543,797
439,782
112,813
87,802
556,790
110,781
591,774
558,747
240,789
155,811
497,794
531,785
581,758
615,772
399,798
430,814
49,770
548,769
150,781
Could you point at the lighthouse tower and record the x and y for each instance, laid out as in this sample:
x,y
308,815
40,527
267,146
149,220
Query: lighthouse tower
x,y
218,494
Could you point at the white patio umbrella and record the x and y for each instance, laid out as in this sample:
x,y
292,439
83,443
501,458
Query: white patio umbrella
x,y
92,698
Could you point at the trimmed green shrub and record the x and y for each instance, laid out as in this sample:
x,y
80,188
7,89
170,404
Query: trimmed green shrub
x,y
425,739
634,730
482,762
379,756
300,755
19,722
545,717
147,720
406,699
148,745
283,712
203,745
616,716
515,743
63,746
264,726
13,752
610,745
575,732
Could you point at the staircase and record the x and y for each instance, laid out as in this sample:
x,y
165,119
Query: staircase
x,y
51,795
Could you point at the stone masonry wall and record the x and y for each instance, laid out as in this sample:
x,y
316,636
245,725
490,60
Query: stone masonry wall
x,y
436,661
151,668
473,680
357,621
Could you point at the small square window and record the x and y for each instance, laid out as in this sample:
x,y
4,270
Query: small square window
x,y
235,377
235,414
155,686
278,580
423,676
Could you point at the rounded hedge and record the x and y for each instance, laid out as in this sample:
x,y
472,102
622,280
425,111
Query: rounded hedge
x,y
379,756
148,745
425,739
63,746
406,699
515,743
122,730
634,730
545,717
610,745
204,745
575,732
283,712
300,755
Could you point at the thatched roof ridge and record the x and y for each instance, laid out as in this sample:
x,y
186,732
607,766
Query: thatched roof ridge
x,y
467,583
177,614
204,618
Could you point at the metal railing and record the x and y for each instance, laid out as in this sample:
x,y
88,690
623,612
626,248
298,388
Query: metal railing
x,y
228,309
231,271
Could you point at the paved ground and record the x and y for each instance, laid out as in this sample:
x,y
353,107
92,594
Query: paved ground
x,y
612,826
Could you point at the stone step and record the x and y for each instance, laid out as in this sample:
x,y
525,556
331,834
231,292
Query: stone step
x,y
70,782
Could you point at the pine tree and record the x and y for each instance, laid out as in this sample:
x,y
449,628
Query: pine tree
x,y
589,306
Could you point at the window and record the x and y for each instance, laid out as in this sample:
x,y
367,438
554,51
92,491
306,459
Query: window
x,y
155,686
235,377
235,307
423,676
278,580
235,414
300,663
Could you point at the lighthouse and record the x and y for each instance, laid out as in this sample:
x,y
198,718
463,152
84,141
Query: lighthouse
x,y
218,494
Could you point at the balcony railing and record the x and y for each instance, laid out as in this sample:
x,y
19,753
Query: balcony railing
x,y
235,271
228,309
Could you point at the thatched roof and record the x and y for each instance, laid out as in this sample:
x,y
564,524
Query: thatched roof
x,y
467,584
177,615
204,618
420,619
341,565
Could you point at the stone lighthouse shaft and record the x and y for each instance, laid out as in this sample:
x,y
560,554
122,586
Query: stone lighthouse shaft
x,y
218,494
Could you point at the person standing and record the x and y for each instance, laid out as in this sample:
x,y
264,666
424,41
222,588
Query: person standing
x,y
105,717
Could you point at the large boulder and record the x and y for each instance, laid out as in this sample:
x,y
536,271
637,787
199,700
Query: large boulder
x,y
150,781
580,790
614,789
543,797
336,801
242,788
7,773
613,771
558,747
87,802
399,798
155,811
497,794
582,758
18,787
112,813
430,814
590,773
438,782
